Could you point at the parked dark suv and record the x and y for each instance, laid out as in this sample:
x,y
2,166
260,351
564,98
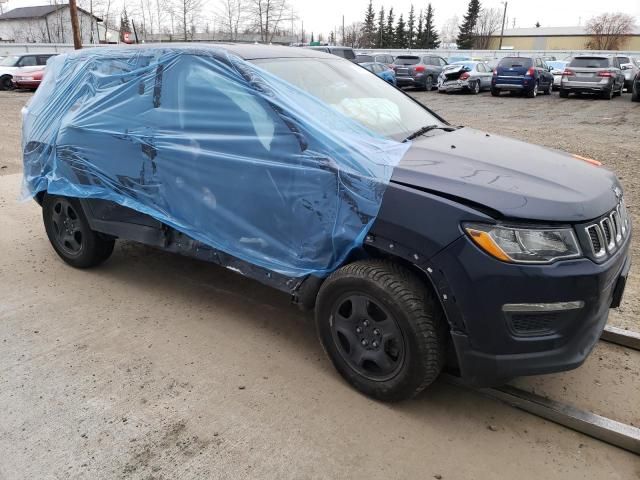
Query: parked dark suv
x,y
527,75
418,71
599,74
417,243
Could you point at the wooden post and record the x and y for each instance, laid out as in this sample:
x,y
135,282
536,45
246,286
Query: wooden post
x,y
73,10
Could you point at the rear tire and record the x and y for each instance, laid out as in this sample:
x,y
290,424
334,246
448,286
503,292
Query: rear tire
x,y
428,83
549,89
495,92
533,93
619,92
70,235
476,88
564,94
635,94
608,94
382,329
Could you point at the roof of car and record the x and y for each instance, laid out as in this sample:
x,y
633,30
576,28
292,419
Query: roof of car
x,y
243,50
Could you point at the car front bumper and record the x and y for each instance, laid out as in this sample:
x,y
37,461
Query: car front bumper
x,y
488,347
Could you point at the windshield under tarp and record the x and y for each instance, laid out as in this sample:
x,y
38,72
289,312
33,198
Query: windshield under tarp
x,y
214,147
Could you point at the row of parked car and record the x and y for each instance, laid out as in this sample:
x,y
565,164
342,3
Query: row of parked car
x,y
603,75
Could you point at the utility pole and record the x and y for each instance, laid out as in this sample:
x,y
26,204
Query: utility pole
x,y
343,37
73,10
504,17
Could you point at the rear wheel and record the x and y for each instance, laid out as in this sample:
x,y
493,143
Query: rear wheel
x,y
428,83
381,328
635,94
495,92
564,93
533,93
475,89
619,92
549,89
70,235
608,94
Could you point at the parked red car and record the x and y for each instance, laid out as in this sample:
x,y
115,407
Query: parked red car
x,y
28,79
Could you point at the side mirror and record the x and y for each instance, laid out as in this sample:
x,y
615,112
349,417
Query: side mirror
x,y
624,67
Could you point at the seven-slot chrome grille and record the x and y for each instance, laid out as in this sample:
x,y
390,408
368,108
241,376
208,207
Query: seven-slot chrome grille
x,y
609,232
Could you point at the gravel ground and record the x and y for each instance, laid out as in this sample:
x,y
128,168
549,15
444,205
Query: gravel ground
x,y
155,366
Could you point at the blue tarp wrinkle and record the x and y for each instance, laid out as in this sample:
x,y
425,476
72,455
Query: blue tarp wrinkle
x,y
212,146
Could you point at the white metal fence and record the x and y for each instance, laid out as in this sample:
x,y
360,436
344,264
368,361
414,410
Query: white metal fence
x,y
10,48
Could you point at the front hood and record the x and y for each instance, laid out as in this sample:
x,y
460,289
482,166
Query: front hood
x,y
517,179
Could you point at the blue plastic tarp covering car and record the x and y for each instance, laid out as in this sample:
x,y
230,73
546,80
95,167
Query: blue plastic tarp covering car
x,y
212,146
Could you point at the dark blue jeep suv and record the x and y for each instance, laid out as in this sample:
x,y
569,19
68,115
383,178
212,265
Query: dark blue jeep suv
x,y
417,243
526,75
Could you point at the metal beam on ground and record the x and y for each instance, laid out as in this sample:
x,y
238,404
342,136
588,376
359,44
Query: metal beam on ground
x,y
596,426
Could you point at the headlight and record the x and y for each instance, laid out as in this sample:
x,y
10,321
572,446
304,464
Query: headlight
x,y
524,245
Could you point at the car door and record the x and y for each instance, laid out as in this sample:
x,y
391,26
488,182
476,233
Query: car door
x,y
548,77
484,75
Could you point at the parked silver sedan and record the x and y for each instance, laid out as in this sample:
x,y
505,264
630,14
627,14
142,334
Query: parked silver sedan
x,y
468,76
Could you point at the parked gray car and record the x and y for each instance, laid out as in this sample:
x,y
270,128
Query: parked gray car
x,y
630,66
418,71
599,74
556,67
465,76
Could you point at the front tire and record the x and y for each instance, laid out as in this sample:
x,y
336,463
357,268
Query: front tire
x,y
382,329
6,83
70,234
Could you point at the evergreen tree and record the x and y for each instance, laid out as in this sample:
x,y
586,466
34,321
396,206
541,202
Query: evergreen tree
x,y
465,35
420,32
390,35
312,40
400,34
430,34
411,28
368,37
380,33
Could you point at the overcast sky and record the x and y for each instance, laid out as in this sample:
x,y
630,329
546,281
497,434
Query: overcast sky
x,y
325,15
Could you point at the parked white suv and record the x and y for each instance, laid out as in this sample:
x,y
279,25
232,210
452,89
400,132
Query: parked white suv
x,y
23,61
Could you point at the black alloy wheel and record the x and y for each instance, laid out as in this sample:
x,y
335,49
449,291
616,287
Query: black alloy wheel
x,y
382,327
367,336
70,234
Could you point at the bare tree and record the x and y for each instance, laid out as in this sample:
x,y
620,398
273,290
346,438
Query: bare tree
x,y
233,16
489,22
353,36
267,16
608,31
187,12
449,32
